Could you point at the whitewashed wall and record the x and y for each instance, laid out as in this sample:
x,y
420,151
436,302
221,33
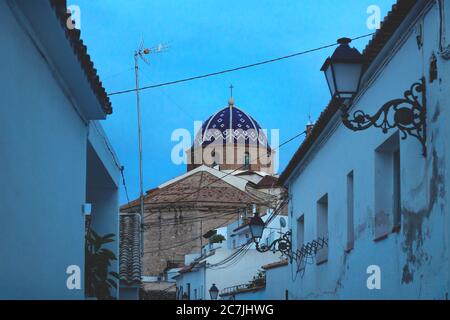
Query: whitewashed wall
x,y
53,159
414,262
277,282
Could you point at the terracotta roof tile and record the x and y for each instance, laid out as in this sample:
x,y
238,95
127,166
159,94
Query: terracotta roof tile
x,y
80,50
200,187
130,265
267,182
388,27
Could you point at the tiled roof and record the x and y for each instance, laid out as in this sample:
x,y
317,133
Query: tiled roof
x,y
194,265
320,124
267,182
80,50
234,122
201,187
130,268
388,27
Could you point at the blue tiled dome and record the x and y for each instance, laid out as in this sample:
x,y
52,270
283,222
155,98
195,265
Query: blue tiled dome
x,y
231,124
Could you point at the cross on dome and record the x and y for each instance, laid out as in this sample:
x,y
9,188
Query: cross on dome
x,y
231,100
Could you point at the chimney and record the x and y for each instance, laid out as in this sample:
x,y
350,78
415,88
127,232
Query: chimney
x,y
309,127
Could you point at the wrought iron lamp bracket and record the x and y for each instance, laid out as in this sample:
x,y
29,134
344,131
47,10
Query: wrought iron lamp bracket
x,y
408,116
282,245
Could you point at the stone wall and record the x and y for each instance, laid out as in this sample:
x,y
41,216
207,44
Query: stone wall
x,y
171,234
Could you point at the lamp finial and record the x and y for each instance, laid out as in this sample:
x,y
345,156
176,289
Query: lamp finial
x,y
344,41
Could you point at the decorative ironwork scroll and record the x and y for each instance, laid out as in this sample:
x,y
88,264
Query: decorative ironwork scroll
x,y
301,256
408,115
282,244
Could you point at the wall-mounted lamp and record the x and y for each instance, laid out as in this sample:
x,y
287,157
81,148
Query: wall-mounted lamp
x,y
343,72
282,244
213,292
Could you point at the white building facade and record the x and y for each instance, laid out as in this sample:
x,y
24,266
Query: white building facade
x,y
229,264
382,205
59,169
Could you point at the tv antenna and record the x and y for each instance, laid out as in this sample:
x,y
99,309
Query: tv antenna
x,y
159,48
141,53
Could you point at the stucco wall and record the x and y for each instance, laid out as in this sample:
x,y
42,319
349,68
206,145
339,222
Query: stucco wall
x,y
44,143
231,274
43,161
415,261
277,281
249,295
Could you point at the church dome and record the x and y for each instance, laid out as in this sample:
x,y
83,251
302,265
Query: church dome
x,y
231,124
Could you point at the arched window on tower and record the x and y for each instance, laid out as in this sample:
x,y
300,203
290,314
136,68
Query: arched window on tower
x,y
247,160
213,156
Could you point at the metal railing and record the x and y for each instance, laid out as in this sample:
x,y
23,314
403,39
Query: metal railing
x,y
259,283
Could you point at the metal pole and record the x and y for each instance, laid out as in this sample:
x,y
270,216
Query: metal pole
x,y
141,196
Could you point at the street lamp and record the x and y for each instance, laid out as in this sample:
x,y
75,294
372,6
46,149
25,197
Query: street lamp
x,y
213,292
256,226
343,72
282,244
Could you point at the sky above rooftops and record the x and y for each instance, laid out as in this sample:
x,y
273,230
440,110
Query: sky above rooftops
x,y
208,36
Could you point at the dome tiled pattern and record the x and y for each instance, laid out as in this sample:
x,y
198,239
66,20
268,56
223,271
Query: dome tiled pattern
x,y
231,123
130,268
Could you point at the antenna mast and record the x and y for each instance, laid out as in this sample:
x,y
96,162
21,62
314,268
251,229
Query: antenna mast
x,y
141,53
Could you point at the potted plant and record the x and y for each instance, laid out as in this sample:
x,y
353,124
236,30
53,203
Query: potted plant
x,y
217,238
259,280
98,280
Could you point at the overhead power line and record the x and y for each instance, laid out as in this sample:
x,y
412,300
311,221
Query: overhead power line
x,y
234,69
229,173
183,243
239,168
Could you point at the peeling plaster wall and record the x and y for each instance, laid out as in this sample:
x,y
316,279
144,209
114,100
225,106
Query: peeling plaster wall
x,y
414,261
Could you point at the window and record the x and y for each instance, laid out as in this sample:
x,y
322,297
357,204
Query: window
x,y
213,156
322,228
195,294
350,212
247,160
300,231
387,187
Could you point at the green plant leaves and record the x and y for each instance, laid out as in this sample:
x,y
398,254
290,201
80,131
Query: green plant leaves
x,y
98,260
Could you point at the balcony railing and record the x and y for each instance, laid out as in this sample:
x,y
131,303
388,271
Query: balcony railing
x,y
258,283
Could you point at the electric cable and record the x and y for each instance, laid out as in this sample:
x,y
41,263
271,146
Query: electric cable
x,y
234,69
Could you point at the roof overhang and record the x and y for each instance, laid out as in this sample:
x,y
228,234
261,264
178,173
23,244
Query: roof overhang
x,y
43,24
403,13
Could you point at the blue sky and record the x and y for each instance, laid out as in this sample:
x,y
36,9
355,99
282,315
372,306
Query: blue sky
x,y
207,36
